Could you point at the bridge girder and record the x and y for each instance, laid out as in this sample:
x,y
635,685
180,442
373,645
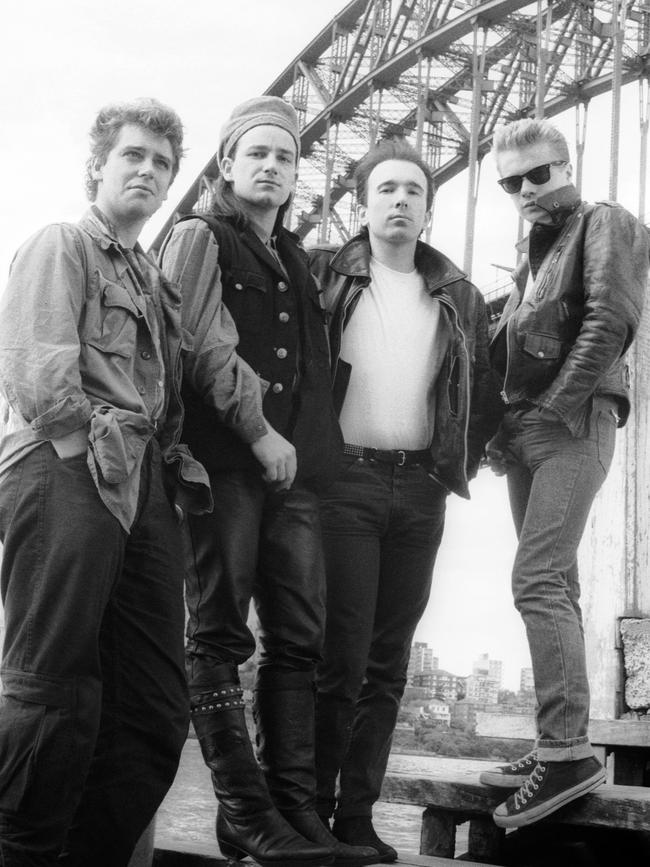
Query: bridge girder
x,y
412,67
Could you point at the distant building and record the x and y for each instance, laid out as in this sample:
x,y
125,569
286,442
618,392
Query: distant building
x,y
526,681
421,661
464,714
484,683
441,683
436,711
415,693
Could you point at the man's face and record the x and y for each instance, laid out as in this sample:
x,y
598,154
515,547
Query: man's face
x,y
133,182
517,162
263,168
396,208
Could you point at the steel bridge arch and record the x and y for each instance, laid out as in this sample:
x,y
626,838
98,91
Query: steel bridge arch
x,y
442,73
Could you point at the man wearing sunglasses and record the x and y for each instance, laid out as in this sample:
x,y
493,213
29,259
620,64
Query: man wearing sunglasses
x,y
559,351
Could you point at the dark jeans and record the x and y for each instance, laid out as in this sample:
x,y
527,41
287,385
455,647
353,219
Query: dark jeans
x,y
553,478
262,545
94,708
382,527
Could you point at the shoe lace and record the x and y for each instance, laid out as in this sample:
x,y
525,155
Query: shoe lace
x,y
527,760
528,789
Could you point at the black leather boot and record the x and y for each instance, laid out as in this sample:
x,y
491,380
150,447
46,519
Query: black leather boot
x,y
284,716
361,828
248,823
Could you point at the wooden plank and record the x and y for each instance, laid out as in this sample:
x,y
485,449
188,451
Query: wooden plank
x,y
623,807
620,733
186,853
603,732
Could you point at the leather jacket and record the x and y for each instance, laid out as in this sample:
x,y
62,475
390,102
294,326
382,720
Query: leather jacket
x,y
466,396
565,341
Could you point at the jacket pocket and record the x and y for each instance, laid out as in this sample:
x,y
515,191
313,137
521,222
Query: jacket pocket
x,y
112,326
245,298
542,346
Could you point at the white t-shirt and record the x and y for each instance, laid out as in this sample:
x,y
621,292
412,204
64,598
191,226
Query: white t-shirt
x,y
395,345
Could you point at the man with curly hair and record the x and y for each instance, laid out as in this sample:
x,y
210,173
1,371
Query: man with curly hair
x,y
93,481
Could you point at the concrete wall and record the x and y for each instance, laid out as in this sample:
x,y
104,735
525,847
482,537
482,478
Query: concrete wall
x,y
615,552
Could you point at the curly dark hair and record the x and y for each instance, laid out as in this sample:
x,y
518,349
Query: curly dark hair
x,y
146,112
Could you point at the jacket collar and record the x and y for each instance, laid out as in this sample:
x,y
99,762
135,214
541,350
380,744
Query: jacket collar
x,y
284,241
353,260
102,231
560,204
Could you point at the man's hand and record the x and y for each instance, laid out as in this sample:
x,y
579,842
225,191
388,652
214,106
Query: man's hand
x,y
72,444
278,458
497,459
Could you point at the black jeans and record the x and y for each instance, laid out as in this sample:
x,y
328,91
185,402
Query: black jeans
x,y
262,545
382,526
94,709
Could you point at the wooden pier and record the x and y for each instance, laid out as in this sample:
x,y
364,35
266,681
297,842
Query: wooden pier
x,y
170,854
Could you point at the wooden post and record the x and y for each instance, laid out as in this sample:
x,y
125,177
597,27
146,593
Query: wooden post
x,y
438,834
485,843
614,557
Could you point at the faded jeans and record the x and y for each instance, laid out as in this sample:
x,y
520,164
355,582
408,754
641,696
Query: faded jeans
x,y
553,478
382,526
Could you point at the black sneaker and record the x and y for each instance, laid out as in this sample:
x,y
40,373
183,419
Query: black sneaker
x,y
550,786
358,831
510,776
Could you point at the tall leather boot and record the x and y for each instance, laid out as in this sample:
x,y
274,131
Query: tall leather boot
x,y
247,821
283,707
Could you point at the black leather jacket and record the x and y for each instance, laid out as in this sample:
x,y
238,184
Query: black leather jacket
x,y
466,394
566,341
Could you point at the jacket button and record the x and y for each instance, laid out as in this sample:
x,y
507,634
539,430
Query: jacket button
x,y
540,354
146,355
141,389
238,286
282,286
283,317
278,387
282,352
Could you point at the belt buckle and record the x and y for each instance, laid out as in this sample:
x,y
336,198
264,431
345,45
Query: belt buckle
x,y
402,458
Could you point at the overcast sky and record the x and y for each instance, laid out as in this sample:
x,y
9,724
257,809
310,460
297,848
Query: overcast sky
x,y
60,60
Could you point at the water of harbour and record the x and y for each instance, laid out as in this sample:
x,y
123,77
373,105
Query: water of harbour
x,y
188,812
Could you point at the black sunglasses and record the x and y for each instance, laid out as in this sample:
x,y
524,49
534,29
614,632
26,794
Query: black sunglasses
x,y
539,175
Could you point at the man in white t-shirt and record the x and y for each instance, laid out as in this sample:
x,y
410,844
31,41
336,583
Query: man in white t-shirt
x,y
414,395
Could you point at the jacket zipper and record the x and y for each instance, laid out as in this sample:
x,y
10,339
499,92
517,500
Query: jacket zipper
x,y
504,394
450,306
